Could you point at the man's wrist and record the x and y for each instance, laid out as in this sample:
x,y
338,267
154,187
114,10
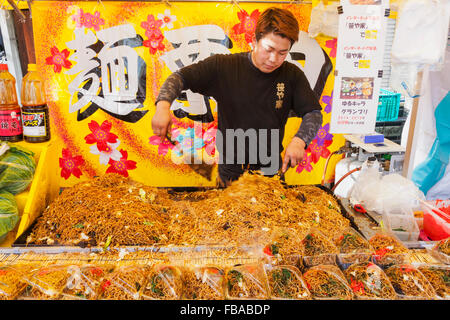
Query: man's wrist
x,y
299,140
163,105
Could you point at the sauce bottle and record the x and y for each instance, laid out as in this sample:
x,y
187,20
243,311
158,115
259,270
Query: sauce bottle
x,y
10,117
35,116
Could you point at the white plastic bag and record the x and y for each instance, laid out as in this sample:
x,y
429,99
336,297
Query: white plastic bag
x,y
325,20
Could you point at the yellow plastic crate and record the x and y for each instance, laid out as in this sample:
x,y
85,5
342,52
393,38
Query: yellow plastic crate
x,y
42,190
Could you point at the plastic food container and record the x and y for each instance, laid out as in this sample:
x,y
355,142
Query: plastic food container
x,y
163,282
11,282
388,249
203,283
438,276
435,224
403,226
327,282
246,282
437,253
353,248
286,283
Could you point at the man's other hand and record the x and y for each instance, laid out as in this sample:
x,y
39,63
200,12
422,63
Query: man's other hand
x,y
294,154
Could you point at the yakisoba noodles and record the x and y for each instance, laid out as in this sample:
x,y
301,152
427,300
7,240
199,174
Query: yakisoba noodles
x,y
284,249
246,282
353,248
85,281
204,283
11,282
388,250
163,283
368,281
327,282
444,246
317,249
46,283
124,283
439,278
285,282
410,282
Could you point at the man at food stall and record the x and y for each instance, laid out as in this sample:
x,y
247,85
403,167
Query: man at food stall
x,y
256,91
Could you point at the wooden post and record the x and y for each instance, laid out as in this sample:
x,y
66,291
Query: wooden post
x,y
412,126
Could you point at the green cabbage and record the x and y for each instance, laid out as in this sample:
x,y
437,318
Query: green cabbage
x,y
17,168
9,213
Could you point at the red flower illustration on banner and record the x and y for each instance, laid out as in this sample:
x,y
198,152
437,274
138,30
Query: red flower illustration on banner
x,y
332,44
247,25
208,135
96,21
152,27
70,165
305,164
154,44
80,19
163,146
317,151
58,59
100,135
357,286
122,166
88,20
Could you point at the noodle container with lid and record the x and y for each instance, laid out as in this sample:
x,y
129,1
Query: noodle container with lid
x,y
444,278
421,283
278,273
334,272
383,258
205,283
246,282
362,253
320,259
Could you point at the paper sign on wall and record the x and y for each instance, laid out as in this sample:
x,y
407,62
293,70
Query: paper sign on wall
x,y
359,59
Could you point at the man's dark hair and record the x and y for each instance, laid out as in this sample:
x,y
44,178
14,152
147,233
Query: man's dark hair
x,y
279,21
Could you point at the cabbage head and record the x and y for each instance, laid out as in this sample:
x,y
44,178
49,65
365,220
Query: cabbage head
x,y
17,168
9,213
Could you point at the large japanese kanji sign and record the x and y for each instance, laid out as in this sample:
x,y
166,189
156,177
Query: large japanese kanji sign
x,y
104,63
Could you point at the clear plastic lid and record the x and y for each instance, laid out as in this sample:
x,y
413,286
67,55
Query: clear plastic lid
x,y
286,283
163,282
203,283
327,282
246,282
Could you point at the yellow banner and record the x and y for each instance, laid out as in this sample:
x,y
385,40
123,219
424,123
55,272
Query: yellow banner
x,y
104,63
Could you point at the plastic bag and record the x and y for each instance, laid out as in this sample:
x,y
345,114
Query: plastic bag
x,y
325,20
327,282
203,283
318,249
284,248
163,283
11,282
246,282
353,248
410,283
368,281
388,249
84,281
286,283
46,283
124,283
438,276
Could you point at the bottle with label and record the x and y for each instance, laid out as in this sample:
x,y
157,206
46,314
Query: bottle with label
x,y
10,117
35,116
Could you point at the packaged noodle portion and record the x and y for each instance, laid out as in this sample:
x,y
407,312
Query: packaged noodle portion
x,y
327,282
246,282
441,251
11,282
85,281
388,250
286,282
439,278
46,283
410,283
353,248
125,283
163,283
318,249
368,281
203,283
284,248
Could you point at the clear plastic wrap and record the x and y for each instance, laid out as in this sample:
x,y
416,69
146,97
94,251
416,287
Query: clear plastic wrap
x,y
164,282
369,282
284,249
11,282
353,248
84,282
125,283
388,250
410,283
203,283
327,282
317,249
246,282
439,278
46,283
441,251
286,283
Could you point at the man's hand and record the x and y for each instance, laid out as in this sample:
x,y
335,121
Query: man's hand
x,y
295,152
162,121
